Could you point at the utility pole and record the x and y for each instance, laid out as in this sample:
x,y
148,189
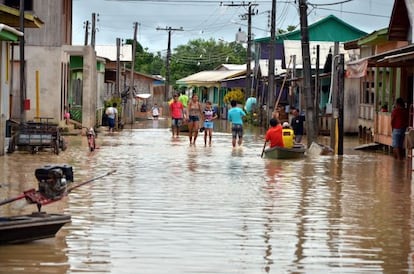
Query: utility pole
x,y
249,90
86,26
334,95
307,77
93,35
271,74
167,62
22,65
118,67
317,93
249,51
131,117
341,73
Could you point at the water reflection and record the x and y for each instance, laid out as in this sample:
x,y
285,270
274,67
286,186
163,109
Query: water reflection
x,y
216,209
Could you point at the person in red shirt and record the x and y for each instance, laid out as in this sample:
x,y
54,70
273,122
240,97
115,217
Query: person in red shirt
x,y
177,115
274,133
399,123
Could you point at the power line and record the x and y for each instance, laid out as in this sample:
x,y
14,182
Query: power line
x,y
167,66
355,12
188,1
331,4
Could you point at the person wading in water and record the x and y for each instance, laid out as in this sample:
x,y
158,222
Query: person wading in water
x,y
195,115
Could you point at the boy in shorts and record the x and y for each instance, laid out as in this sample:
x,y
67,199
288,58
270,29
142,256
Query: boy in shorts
x,y
235,116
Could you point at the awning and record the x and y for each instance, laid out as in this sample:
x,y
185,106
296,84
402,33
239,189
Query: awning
x,y
8,33
400,57
407,57
210,78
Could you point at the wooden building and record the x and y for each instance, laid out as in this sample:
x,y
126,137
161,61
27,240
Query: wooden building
x,y
385,73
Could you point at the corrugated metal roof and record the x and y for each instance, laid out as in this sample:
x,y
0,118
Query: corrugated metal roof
x,y
109,52
225,72
210,77
231,67
293,47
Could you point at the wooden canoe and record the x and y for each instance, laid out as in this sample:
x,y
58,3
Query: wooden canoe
x,y
27,228
298,151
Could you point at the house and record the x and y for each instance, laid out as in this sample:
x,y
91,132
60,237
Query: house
x,y
8,35
385,73
323,34
9,20
56,74
151,86
208,84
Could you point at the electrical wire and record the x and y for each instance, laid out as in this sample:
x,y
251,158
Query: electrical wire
x,y
331,4
212,21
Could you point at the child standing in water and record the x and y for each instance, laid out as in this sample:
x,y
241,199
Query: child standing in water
x,y
155,112
209,115
194,116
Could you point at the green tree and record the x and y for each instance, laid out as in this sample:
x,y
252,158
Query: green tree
x,y
147,62
199,55
288,29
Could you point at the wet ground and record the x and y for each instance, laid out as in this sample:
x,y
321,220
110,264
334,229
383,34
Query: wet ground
x,y
175,208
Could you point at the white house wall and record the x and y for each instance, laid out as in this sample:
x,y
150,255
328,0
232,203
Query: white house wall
x,y
4,93
47,61
294,47
90,77
101,89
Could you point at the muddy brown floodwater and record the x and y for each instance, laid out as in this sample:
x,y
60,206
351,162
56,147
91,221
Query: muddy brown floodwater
x,y
175,208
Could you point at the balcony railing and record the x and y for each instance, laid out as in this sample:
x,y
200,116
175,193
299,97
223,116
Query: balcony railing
x,y
366,111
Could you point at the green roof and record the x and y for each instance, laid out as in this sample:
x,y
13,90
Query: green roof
x,y
330,28
374,38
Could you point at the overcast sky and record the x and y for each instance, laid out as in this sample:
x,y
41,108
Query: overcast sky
x,y
208,19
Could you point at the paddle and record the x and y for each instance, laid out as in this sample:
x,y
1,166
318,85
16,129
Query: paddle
x,y
263,150
88,181
12,199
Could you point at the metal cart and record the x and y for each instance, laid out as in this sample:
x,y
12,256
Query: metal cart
x,y
35,136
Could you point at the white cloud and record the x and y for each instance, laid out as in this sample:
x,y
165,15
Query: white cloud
x,y
209,20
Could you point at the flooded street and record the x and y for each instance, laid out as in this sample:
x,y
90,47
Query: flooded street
x,y
175,208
